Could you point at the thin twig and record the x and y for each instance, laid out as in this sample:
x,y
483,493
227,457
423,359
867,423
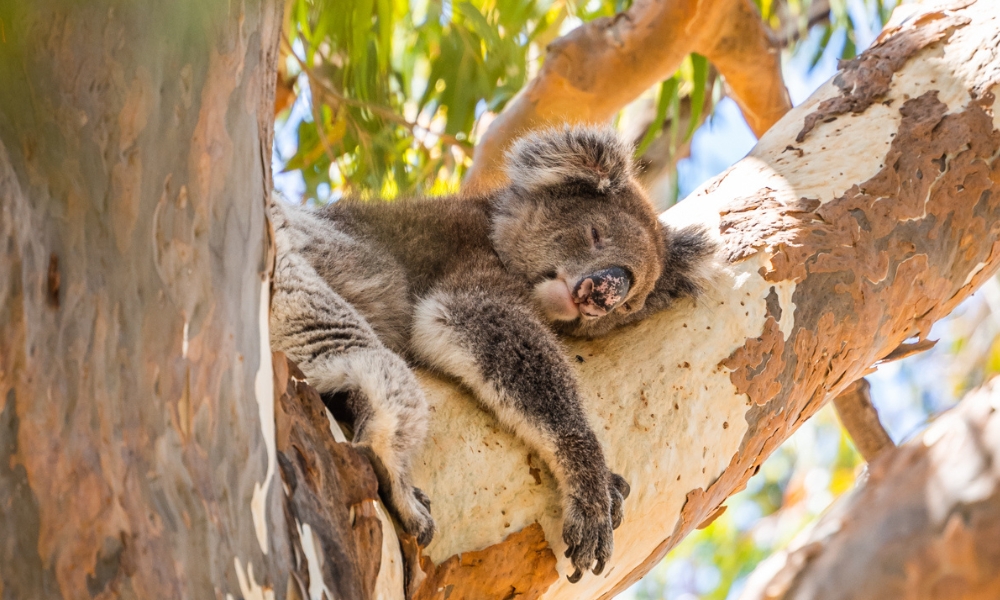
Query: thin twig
x,y
860,419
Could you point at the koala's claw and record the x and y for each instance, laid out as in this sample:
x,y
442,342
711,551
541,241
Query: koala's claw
x,y
425,531
618,483
423,499
415,515
409,505
619,489
587,531
588,527
598,567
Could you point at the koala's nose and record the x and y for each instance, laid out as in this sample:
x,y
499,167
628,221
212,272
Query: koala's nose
x,y
600,292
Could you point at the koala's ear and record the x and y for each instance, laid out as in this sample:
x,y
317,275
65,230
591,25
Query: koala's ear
x,y
594,158
690,261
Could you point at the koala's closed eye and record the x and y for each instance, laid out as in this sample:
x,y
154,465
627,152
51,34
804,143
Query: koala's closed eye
x,y
595,239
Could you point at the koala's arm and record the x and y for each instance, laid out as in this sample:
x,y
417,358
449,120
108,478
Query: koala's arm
x,y
515,366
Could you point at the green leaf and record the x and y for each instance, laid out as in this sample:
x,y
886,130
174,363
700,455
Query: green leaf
x,y
824,41
850,50
699,68
668,90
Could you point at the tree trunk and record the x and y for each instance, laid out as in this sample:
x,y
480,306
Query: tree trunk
x,y
860,219
137,447
925,523
139,450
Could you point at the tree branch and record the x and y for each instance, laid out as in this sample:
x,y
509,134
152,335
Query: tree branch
x,y
748,57
595,70
838,249
860,419
926,523
137,453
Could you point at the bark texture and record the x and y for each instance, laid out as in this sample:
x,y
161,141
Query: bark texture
x,y
860,419
344,545
595,70
838,248
137,432
925,524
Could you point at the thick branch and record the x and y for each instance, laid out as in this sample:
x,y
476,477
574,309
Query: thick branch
x,y
839,248
747,56
595,70
925,524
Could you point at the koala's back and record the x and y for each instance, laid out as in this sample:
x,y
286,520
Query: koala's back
x,y
381,257
356,269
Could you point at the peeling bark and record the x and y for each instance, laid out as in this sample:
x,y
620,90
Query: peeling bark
x,y
839,248
925,523
522,566
332,515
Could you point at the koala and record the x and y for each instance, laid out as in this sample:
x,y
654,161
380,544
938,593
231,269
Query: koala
x,y
478,288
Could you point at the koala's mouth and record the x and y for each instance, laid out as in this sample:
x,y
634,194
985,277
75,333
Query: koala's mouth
x,y
592,297
555,298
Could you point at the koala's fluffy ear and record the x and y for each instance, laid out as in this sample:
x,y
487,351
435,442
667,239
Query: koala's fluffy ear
x,y
595,158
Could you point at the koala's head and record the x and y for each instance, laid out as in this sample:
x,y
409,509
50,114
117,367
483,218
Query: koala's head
x,y
576,224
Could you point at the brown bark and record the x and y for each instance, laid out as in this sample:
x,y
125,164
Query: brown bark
x,y
925,523
860,419
137,444
331,491
595,70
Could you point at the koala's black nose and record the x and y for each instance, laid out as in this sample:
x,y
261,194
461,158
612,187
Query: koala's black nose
x,y
602,291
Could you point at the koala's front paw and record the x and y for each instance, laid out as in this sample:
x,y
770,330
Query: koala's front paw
x,y
589,524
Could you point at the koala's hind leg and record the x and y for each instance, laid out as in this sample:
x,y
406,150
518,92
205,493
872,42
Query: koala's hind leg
x,y
516,368
339,352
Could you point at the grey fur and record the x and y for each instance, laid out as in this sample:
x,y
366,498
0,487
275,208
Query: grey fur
x,y
476,287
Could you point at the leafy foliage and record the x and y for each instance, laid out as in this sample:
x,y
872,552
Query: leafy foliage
x,y
391,94
398,87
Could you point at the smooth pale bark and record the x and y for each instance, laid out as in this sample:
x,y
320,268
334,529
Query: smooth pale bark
x,y
924,524
138,454
861,218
